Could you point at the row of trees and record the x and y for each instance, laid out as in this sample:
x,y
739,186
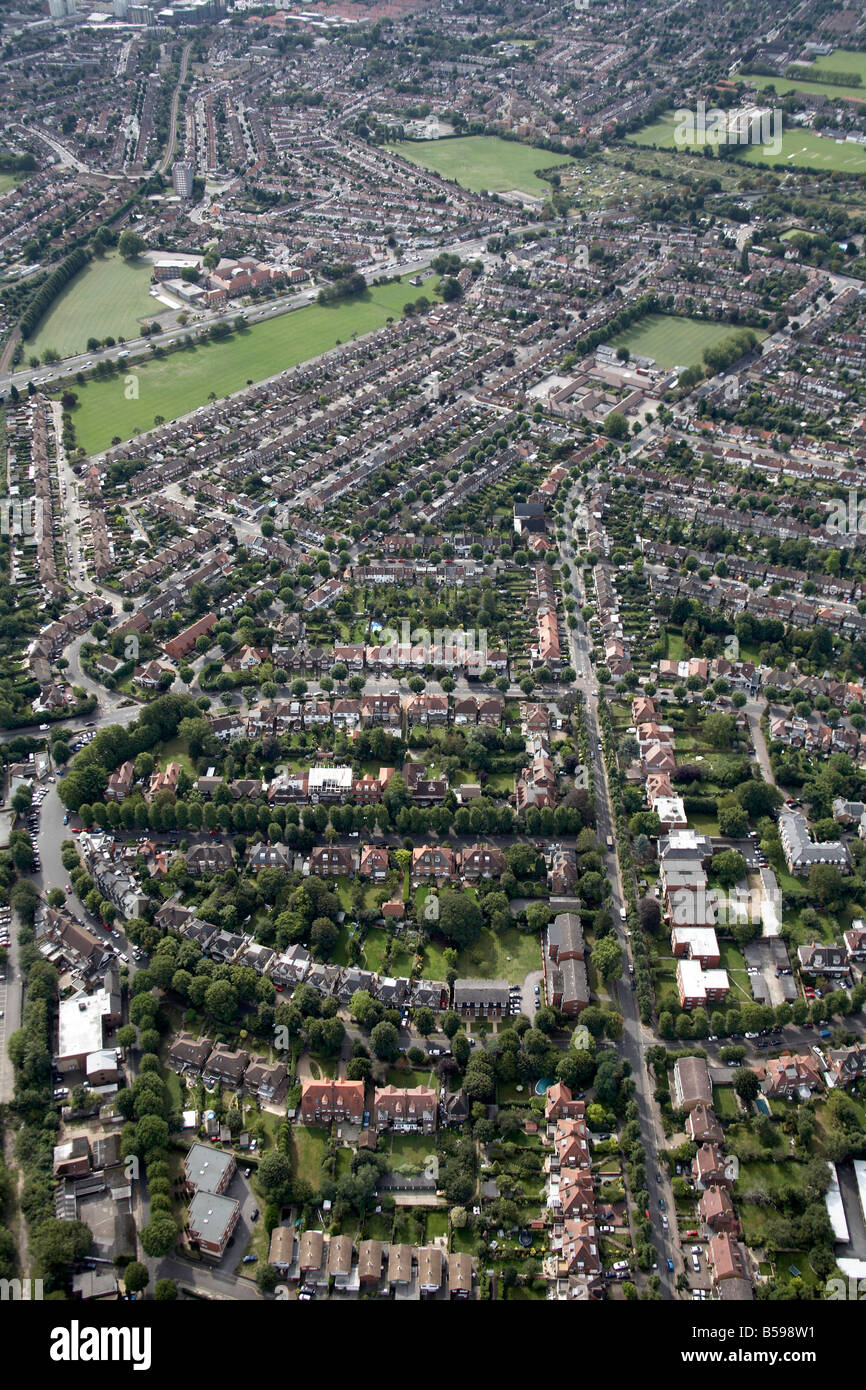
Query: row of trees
x,y
50,289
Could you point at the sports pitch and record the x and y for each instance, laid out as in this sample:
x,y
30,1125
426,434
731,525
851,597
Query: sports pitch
x,y
483,162
673,341
842,60
109,298
799,147
182,381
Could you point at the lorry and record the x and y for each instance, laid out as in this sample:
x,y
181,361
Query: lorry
x,y
609,842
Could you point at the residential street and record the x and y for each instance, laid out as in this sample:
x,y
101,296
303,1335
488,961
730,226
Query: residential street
x,y
635,1038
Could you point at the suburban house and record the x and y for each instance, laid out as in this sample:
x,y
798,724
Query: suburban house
x,y
789,1076
404,1108
481,998
565,976
817,959
324,1101
692,1085
188,1055
717,1210
225,1067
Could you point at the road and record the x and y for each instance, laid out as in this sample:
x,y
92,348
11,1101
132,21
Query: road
x,y
754,710
175,101
137,347
635,1037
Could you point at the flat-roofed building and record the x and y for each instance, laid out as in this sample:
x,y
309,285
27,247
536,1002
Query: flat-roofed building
x,y
208,1169
211,1219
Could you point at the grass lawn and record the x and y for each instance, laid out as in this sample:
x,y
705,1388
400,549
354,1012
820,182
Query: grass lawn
x,y
403,1076
665,983
776,1178
176,751
110,297
411,1148
377,1226
673,341
798,147
437,1224
174,1088
725,1103
308,1152
505,955
733,960
182,381
480,162
843,60
375,943
434,961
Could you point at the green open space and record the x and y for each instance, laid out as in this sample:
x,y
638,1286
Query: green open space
x,y
108,298
176,750
182,381
308,1153
798,146
842,60
673,341
483,162
504,955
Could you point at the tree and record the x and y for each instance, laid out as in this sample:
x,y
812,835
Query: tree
x,y
758,798
136,1277
729,867
385,1042
607,958
131,244
165,1290
733,821
158,1239
424,1021
55,1243
719,729
275,1176
460,918
267,1278
746,1084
